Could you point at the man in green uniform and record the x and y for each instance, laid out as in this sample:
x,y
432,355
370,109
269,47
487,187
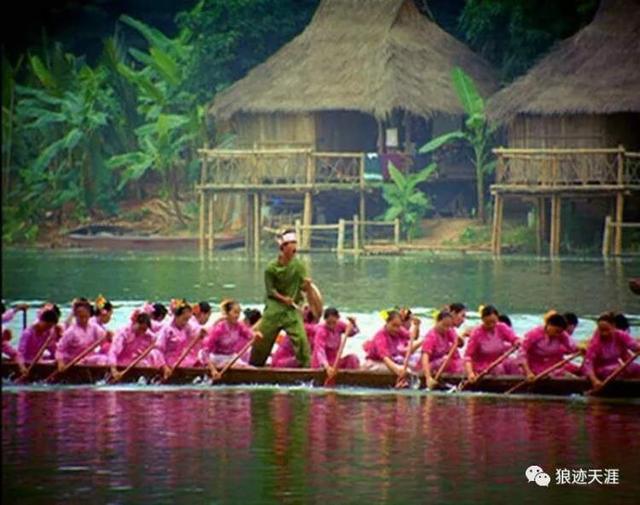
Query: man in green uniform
x,y
285,280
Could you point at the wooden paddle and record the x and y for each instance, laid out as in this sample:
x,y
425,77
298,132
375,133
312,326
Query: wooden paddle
x,y
75,360
24,318
444,364
232,361
499,360
144,354
331,381
36,358
544,373
614,374
184,354
447,359
405,365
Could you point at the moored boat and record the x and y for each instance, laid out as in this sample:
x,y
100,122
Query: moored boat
x,y
82,374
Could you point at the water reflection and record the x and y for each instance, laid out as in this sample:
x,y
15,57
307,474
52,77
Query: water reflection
x,y
131,445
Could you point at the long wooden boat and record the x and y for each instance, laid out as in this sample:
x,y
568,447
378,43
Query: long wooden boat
x,y
98,236
82,374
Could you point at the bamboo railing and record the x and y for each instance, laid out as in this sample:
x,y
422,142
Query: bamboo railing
x,y
543,168
286,168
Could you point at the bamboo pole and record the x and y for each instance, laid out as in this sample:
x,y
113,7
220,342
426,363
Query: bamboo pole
x,y
556,206
500,220
496,233
306,220
211,237
340,246
606,237
619,218
356,233
494,225
201,223
539,230
257,224
248,232
297,228
620,165
396,232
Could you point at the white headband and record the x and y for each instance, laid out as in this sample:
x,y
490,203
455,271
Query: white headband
x,y
287,237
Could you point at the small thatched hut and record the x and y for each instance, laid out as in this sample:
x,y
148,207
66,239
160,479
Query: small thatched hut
x,y
585,92
360,76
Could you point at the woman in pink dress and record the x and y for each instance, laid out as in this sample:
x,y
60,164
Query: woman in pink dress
x,y
201,317
609,347
157,312
327,338
488,341
80,334
387,349
436,346
102,313
546,345
34,337
226,339
130,342
174,337
7,349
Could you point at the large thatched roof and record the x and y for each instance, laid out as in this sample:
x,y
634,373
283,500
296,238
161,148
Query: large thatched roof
x,y
596,71
371,56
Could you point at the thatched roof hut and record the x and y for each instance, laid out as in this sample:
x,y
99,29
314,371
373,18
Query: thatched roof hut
x,y
585,92
373,58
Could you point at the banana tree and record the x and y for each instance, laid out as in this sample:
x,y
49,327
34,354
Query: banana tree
x,y
161,143
175,125
406,201
477,131
67,126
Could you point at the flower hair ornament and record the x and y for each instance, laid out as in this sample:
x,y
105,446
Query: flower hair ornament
x,y
101,303
177,304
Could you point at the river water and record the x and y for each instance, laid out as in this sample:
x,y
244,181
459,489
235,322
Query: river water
x,y
197,444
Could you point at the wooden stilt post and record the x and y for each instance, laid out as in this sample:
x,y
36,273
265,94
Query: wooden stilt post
x,y
249,233
619,218
362,209
306,221
356,234
554,247
606,237
257,224
298,228
543,222
340,246
396,232
210,245
539,233
201,219
496,231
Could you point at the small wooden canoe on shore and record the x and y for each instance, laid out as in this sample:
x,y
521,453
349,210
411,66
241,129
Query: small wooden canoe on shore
x,y
81,374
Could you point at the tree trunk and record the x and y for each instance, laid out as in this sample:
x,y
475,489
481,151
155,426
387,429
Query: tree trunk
x,y
174,197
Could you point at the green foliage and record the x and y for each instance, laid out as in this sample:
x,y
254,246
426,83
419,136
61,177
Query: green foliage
x,y
230,37
477,131
405,201
512,34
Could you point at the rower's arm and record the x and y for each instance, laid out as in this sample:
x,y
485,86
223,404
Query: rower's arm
x,y
393,367
468,366
426,364
527,369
